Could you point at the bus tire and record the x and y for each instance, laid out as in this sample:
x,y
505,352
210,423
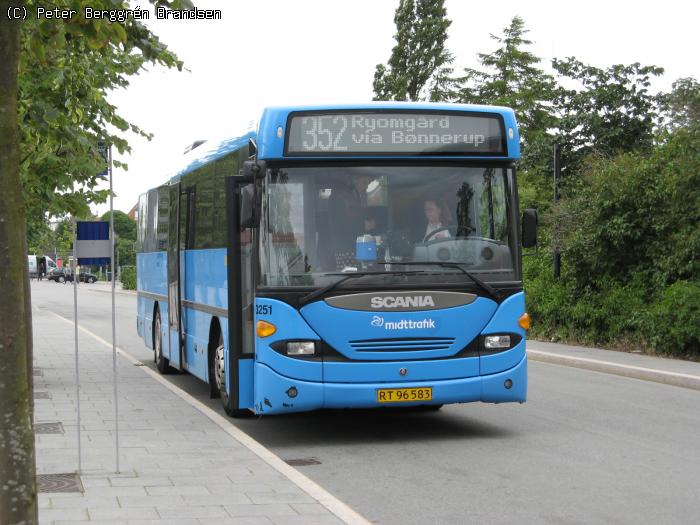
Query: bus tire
x,y
219,365
215,340
162,363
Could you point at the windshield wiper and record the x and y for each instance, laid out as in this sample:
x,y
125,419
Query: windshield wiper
x,y
493,293
347,276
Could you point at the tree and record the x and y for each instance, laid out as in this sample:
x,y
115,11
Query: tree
x,y
125,237
611,112
17,465
53,112
681,107
511,76
124,226
419,66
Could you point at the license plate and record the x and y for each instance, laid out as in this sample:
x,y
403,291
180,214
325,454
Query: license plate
x,y
401,395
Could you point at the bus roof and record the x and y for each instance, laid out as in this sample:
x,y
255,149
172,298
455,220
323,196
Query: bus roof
x,y
272,128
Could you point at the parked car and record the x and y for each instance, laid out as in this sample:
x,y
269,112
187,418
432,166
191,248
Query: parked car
x,y
61,275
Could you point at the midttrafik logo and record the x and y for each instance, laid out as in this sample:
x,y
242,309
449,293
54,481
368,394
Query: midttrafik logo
x,y
403,324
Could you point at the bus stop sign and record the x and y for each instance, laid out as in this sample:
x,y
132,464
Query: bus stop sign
x,y
93,245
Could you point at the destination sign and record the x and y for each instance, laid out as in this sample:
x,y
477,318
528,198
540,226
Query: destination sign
x,y
355,133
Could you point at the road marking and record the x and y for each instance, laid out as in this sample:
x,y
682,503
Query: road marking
x,y
341,510
635,372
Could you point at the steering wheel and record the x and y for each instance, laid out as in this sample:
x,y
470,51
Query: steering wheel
x,y
451,229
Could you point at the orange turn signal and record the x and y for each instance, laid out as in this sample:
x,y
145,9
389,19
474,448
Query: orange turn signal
x,y
524,321
265,329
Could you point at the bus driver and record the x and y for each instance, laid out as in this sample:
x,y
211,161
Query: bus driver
x,y
347,210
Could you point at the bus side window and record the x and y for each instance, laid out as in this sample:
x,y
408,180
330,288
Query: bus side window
x,y
152,222
163,218
187,205
141,226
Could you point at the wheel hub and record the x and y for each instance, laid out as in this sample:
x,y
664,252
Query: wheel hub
x,y
157,348
220,368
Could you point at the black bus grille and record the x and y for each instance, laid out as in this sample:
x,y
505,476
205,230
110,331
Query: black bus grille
x,y
402,345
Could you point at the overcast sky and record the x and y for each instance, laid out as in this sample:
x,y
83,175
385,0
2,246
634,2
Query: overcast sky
x,y
271,52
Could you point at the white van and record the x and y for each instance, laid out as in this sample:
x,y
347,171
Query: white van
x,y
31,260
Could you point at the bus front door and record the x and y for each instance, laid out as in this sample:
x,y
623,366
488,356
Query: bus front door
x,y
239,353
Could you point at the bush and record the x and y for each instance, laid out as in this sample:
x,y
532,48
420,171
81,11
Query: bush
x,y
673,324
629,230
128,277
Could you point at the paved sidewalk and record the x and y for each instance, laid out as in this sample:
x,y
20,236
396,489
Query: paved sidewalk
x,y
178,465
636,365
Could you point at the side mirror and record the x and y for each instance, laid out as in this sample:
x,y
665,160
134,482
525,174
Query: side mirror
x,y
529,228
254,169
248,207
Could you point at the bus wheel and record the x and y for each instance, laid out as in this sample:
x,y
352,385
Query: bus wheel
x,y
214,369
219,364
162,363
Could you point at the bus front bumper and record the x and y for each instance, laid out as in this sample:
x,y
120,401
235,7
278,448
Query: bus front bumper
x,y
277,394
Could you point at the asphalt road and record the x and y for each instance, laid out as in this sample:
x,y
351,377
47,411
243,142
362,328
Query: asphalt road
x,y
585,448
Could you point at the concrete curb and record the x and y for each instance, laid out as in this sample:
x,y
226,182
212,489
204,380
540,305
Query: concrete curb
x,y
606,367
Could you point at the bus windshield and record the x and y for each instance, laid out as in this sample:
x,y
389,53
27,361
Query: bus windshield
x,y
322,221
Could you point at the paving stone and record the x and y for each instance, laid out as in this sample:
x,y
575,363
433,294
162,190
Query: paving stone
x,y
49,515
241,520
192,512
85,502
306,520
310,508
179,490
279,497
122,513
260,510
151,501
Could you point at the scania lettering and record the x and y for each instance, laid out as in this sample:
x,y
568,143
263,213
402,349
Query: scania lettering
x,y
402,302
346,256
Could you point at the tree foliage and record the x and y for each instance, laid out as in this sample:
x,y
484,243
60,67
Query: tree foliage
x,y
66,72
124,226
511,77
681,107
611,110
631,240
419,66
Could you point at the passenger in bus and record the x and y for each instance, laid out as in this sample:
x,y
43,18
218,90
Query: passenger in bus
x,y
437,216
347,210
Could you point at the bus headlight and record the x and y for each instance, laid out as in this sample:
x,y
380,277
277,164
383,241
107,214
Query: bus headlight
x,y
492,342
301,348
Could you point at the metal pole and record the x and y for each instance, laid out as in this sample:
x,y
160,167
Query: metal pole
x,y
75,322
557,176
114,330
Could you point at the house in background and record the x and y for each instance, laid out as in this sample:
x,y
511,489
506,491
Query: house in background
x,y
134,212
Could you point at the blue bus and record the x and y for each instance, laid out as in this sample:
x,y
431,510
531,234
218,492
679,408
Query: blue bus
x,y
342,256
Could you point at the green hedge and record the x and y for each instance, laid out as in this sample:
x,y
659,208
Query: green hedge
x,y
128,277
629,230
627,316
